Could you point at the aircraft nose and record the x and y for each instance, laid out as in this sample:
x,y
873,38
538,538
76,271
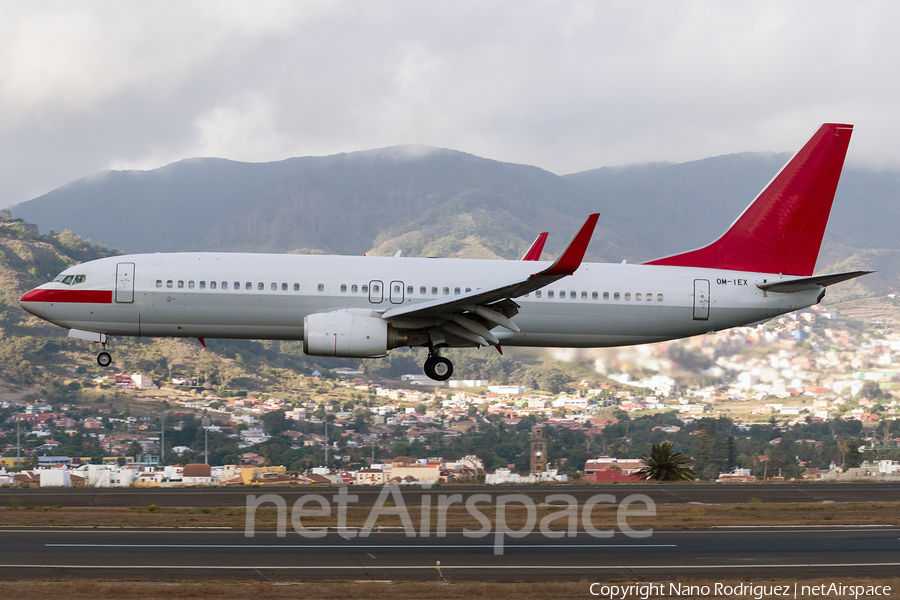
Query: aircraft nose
x,y
33,301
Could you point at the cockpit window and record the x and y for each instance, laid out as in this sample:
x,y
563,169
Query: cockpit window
x,y
69,279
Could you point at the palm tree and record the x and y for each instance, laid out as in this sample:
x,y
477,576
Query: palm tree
x,y
665,465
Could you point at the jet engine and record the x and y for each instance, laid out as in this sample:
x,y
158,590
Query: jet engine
x,y
349,334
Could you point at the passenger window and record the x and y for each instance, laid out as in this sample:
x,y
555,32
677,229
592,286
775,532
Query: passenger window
x,y
274,287
584,295
594,295
375,288
550,294
296,287
572,294
78,279
191,284
468,290
637,297
649,297
422,290
455,290
283,287
321,287
180,284
343,287
562,294
606,295
159,283
212,284
616,296
627,296
248,285
537,294
446,291
365,289
260,286
434,291
409,289
659,297
396,289
169,283
237,285
354,288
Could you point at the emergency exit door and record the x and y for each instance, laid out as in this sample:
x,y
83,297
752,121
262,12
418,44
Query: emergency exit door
x,y
125,283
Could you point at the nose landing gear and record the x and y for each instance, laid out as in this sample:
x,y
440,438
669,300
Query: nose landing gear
x,y
437,367
104,359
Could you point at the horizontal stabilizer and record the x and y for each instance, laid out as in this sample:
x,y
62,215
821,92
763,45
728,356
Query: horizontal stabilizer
x,y
805,284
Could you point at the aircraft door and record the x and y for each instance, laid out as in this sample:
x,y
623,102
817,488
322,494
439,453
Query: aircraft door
x,y
376,292
125,283
396,292
701,299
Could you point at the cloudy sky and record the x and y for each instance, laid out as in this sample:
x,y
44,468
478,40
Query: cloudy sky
x,y
565,86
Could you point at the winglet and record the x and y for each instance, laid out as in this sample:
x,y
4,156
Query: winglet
x,y
569,261
537,246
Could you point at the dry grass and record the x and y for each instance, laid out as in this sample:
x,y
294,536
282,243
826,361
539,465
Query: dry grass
x,y
667,516
230,590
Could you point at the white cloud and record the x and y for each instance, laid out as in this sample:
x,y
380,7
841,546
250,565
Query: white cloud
x,y
564,86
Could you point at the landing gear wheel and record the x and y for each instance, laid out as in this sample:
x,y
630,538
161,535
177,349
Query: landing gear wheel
x,y
438,368
104,359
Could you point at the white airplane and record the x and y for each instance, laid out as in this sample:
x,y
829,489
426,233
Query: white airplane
x,y
362,307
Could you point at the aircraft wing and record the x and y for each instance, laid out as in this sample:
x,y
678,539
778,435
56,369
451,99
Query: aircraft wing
x,y
451,308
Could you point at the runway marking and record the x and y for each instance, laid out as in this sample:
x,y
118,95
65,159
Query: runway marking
x,y
359,547
794,526
456,567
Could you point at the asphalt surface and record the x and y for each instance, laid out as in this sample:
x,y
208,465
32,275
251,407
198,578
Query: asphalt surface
x,y
752,554
659,493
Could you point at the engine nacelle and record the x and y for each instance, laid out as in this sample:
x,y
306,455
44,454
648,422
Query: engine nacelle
x,y
347,334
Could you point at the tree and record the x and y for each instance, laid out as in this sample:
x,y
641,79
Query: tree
x,y
665,465
275,422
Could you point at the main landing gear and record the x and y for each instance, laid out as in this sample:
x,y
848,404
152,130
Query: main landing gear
x,y
104,359
437,367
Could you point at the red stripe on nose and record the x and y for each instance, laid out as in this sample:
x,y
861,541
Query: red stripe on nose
x,y
36,295
73,296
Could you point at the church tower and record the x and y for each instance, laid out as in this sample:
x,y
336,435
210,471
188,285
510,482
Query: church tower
x,y
538,449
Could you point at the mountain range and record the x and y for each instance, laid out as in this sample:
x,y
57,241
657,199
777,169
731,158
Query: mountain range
x,y
437,202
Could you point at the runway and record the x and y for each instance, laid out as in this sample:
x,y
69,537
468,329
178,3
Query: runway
x,y
659,493
166,554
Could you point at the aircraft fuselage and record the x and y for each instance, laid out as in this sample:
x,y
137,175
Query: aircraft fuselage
x,y
262,296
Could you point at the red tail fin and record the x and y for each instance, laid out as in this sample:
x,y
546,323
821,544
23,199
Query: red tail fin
x,y
781,231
